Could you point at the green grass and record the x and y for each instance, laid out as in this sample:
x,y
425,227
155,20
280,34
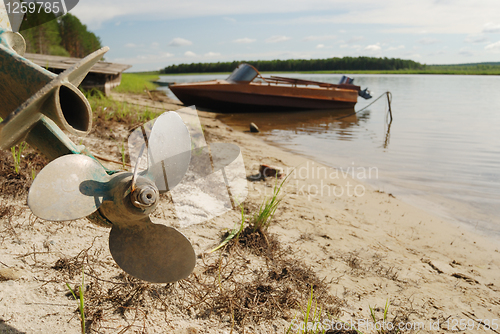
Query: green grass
x,y
235,232
384,317
123,155
313,322
136,82
105,108
17,153
80,299
262,218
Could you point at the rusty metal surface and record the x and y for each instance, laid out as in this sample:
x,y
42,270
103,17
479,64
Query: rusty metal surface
x,y
29,92
241,93
253,97
19,79
75,186
152,252
36,106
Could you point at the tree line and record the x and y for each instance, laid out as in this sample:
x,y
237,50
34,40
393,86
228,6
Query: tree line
x,y
64,36
329,64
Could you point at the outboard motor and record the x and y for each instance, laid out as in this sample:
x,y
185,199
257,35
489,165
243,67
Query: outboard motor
x,y
365,93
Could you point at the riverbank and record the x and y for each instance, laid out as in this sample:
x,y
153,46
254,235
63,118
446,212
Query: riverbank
x,y
432,70
367,247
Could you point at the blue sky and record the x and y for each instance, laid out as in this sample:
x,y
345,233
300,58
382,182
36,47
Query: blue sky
x,y
152,34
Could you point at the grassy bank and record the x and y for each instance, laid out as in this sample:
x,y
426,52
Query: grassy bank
x,y
107,109
137,82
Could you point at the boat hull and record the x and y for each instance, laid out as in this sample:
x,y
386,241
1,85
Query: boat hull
x,y
225,97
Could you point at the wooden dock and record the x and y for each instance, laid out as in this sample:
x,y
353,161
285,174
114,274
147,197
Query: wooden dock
x,y
103,76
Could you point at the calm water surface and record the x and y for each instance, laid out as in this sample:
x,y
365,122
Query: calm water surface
x,y
441,152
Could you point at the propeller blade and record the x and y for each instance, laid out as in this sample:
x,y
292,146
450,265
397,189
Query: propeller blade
x,y
69,187
169,150
151,252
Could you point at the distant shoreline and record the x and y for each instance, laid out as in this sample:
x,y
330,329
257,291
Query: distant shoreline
x,y
402,72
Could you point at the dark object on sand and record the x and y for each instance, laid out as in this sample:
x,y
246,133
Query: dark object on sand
x,y
245,90
267,171
254,127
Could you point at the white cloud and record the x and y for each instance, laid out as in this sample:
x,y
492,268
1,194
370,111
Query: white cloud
x,y
354,47
277,39
373,48
179,42
245,40
320,46
131,45
464,16
428,41
393,48
212,54
466,52
155,45
144,58
491,27
190,54
412,55
229,19
437,53
476,39
493,46
318,38
354,39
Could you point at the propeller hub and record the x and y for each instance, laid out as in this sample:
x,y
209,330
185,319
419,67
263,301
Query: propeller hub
x,y
123,205
144,196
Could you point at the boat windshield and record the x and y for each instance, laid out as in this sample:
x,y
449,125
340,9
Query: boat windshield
x,y
243,73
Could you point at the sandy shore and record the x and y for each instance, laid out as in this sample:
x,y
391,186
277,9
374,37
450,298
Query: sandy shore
x,y
368,247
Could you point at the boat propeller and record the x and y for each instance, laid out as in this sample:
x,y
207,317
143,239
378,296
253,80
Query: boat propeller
x,y
166,155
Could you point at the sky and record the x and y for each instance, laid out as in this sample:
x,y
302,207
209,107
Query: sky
x,y
152,34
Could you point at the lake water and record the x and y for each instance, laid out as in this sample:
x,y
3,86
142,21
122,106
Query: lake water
x,y
441,152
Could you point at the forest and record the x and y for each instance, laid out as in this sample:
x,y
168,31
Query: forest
x,y
292,65
64,36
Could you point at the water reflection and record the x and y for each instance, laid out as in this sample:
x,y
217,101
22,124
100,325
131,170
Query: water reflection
x,y
387,135
338,121
440,153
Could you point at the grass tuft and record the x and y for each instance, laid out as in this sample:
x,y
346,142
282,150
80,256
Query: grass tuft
x,y
106,110
80,298
262,219
235,233
17,153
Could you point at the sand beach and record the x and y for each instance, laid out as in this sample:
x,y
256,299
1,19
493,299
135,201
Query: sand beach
x,y
358,248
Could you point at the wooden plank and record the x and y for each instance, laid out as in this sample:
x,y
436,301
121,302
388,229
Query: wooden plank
x,y
62,63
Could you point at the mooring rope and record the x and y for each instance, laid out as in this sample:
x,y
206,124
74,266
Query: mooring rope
x,y
389,100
